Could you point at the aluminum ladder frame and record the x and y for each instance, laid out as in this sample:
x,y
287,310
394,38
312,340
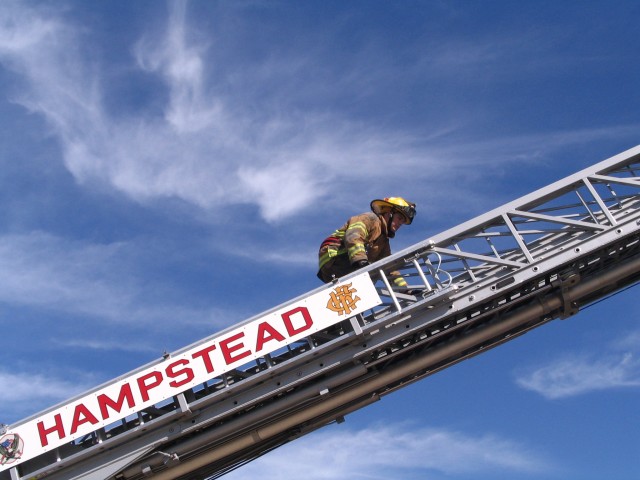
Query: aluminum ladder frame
x,y
482,283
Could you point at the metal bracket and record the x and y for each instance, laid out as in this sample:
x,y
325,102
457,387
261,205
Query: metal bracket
x,y
355,323
566,282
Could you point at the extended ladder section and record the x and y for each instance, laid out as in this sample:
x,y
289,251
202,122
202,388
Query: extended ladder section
x,y
230,398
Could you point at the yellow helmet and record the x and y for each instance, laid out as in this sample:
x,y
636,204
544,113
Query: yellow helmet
x,y
396,204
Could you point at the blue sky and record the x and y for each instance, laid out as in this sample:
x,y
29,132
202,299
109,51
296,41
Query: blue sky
x,y
169,169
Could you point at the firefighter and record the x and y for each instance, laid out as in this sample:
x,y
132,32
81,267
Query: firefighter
x,y
364,239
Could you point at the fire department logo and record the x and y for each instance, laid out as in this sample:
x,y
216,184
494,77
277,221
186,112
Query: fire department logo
x,y
343,300
11,448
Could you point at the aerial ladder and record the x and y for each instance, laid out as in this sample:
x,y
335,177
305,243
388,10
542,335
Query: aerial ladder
x,y
230,398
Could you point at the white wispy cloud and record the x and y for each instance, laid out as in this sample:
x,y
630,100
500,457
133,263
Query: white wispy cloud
x,y
199,152
24,392
220,142
105,345
181,64
338,454
581,374
630,342
18,386
204,150
47,271
89,280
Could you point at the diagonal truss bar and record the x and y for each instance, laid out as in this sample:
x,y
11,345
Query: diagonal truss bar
x,y
480,258
631,181
601,204
517,237
552,219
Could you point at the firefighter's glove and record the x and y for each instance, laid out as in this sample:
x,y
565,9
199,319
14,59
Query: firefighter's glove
x,y
360,264
415,291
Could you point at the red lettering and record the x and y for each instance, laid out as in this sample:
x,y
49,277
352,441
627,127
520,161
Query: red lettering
x,y
144,387
289,323
267,333
227,350
206,357
105,402
81,415
185,371
58,428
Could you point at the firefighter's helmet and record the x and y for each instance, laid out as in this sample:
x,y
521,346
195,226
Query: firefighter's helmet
x,y
395,204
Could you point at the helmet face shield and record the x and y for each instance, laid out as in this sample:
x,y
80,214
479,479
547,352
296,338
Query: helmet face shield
x,y
395,204
409,212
